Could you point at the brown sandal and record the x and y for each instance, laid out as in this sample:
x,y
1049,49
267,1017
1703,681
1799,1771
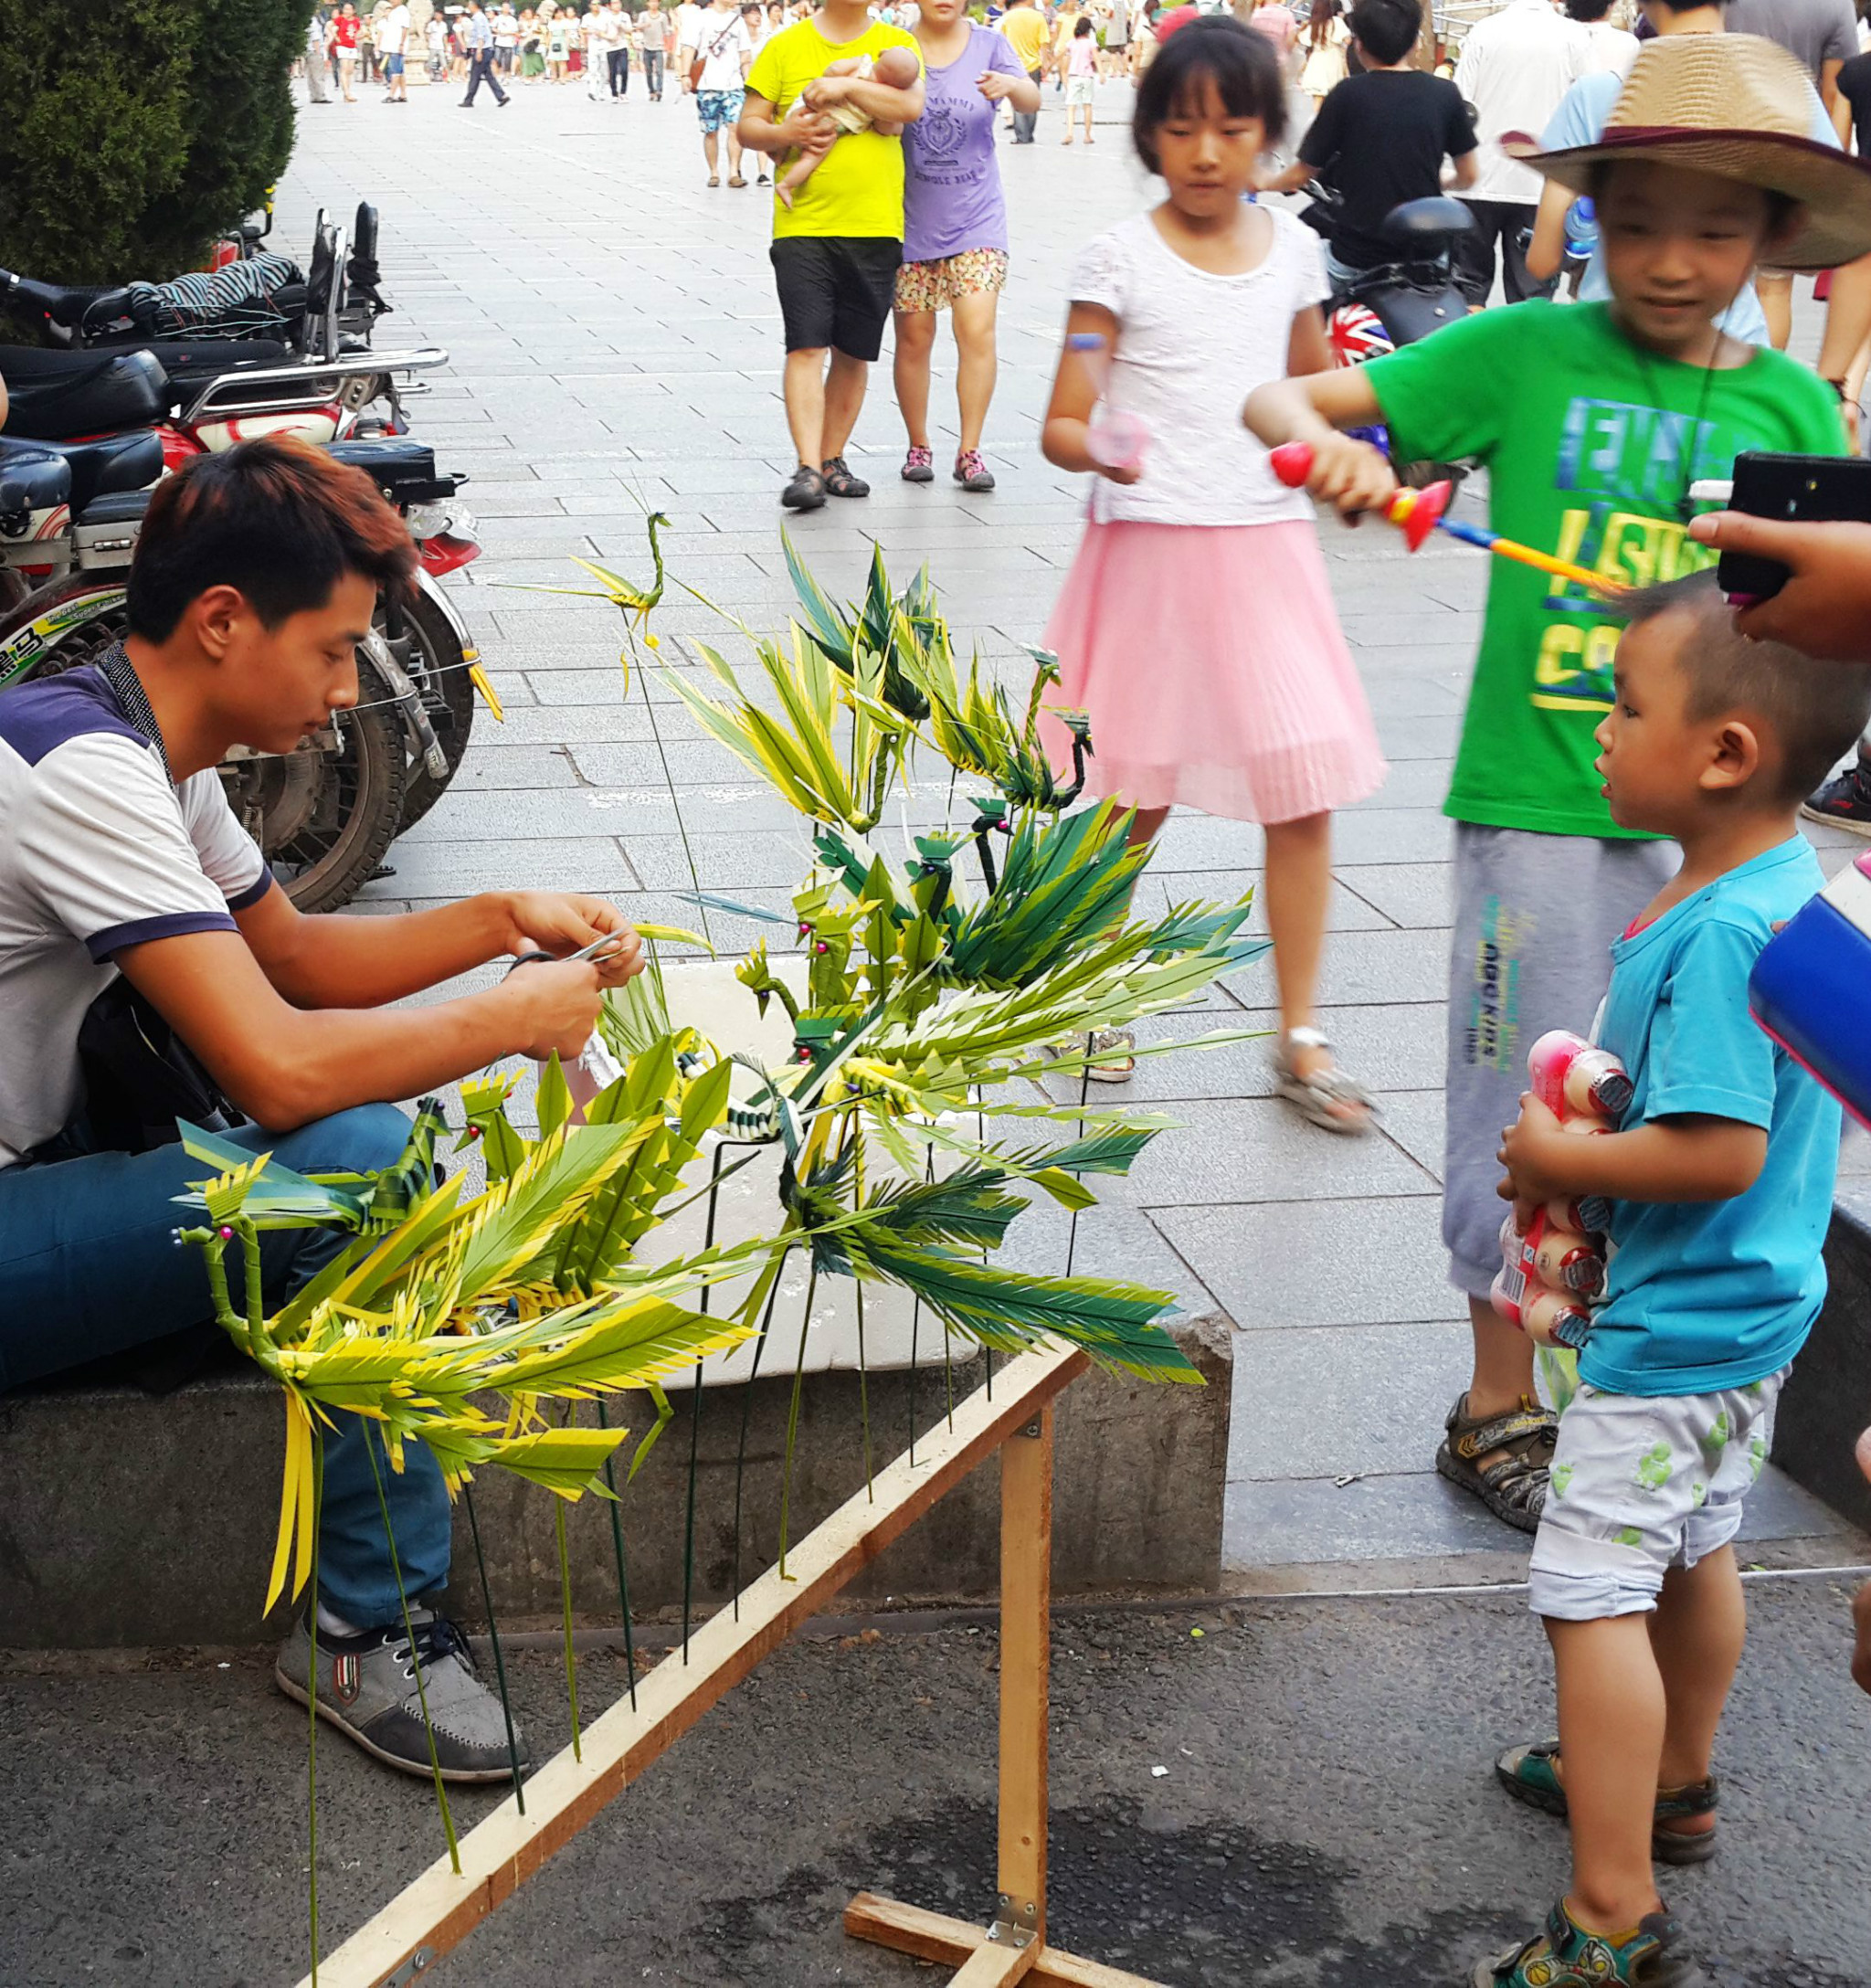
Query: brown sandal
x,y
1520,1446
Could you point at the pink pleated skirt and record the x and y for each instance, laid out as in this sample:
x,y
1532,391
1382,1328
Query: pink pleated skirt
x,y
1215,673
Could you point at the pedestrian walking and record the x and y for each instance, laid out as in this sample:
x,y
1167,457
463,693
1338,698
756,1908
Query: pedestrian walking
x,y
346,29
616,51
478,39
393,40
1515,66
557,45
1081,77
838,247
714,72
652,32
436,37
506,39
1200,692
594,37
761,30
1604,49
1024,27
1327,40
954,229
315,61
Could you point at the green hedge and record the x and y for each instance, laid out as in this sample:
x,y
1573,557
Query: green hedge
x,y
133,132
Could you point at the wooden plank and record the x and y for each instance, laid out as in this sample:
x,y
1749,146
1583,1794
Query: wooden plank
x,y
934,1936
439,1909
990,1966
1026,1604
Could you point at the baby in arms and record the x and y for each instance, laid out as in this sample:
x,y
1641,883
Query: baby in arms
x,y
896,66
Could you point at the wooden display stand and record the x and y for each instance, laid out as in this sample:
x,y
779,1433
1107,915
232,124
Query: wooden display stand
x,y
443,1906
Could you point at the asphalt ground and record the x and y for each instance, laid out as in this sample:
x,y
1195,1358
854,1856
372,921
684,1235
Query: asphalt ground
x,y
1328,1818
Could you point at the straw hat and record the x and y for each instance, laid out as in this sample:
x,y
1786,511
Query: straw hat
x,y
1741,109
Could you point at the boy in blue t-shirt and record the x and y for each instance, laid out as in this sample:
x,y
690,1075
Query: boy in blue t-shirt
x,y
1720,1180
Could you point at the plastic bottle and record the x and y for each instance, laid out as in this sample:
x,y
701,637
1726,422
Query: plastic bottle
x,y
1573,1079
1115,439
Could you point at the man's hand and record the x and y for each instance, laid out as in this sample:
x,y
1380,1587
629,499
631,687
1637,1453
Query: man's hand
x,y
1531,1148
555,1006
1824,609
996,85
1351,474
559,922
803,129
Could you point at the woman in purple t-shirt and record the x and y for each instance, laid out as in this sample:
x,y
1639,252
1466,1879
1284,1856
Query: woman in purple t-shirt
x,y
955,229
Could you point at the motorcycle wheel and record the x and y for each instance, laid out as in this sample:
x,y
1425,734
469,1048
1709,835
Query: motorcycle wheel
x,y
322,821
441,672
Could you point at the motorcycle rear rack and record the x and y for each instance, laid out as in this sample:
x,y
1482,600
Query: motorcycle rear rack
x,y
231,395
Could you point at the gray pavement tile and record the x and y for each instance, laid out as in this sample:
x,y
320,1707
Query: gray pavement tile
x,y
1329,1401
1778,1508
460,869
1410,894
572,812
495,768
1431,737
1409,782
1256,1149
1416,1121
1286,1265
1303,1522
1360,968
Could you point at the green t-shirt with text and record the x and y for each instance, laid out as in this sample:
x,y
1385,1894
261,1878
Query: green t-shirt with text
x,y
1591,444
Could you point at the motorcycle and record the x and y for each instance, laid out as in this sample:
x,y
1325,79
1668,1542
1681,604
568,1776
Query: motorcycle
x,y
325,813
1399,301
333,305
72,400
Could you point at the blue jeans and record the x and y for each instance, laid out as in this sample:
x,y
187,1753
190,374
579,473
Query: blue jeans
x,y
89,1268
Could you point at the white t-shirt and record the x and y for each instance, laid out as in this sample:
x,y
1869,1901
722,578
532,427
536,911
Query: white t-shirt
x,y
1515,66
688,19
98,852
506,30
1607,50
600,35
1191,348
393,30
721,40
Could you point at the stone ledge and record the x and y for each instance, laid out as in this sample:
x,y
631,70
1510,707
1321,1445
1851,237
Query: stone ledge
x,y
1827,1399
129,1519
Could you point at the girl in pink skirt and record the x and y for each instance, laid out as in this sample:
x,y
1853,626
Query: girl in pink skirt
x,y
1196,627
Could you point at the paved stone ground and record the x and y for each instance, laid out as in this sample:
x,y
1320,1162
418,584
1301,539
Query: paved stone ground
x,y
616,348
1328,1818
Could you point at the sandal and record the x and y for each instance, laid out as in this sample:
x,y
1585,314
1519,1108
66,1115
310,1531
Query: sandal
x,y
839,480
919,465
1326,1097
1512,1484
1530,1774
1655,1953
714,179
737,181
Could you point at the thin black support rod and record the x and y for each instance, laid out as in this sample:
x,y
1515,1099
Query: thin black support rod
x,y
695,1420
617,1541
500,1666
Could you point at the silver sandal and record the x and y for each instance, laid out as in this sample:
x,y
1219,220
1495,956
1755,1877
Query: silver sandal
x,y
1315,1096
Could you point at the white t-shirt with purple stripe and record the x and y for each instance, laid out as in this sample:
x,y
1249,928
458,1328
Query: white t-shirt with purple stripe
x,y
98,852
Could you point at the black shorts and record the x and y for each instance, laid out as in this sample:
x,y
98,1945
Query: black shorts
x,y
836,290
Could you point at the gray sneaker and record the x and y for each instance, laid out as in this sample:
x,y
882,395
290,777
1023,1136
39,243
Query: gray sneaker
x,y
368,1689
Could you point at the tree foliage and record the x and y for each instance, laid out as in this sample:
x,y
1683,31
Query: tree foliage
x,y
133,131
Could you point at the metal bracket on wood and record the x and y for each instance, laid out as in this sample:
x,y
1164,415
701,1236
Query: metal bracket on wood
x,y
1014,1926
417,1963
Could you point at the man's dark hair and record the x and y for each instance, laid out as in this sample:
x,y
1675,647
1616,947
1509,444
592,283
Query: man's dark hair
x,y
1387,29
276,519
1817,711
1239,61
1588,10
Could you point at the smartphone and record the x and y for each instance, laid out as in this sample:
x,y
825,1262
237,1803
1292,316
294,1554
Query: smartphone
x,y
1816,488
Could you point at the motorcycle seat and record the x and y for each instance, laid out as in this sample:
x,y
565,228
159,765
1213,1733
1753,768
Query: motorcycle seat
x,y
112,462
188,363
1427,225
402,468
120,507
64,304
32,478
57,395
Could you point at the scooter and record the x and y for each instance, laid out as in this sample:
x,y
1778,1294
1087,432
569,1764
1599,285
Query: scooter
x,y
325,813
1400,300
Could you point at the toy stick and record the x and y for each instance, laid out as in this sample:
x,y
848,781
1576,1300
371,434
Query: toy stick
x,y
1419,511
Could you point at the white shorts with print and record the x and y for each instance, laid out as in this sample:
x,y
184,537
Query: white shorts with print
x,y
1641,1484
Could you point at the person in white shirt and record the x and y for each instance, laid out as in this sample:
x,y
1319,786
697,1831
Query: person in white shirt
x,y
617,55
1515,66
718,37
651,35
506,38
1605,49
594,39
392,45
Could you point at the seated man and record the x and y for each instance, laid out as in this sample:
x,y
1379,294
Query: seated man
x,y
255,579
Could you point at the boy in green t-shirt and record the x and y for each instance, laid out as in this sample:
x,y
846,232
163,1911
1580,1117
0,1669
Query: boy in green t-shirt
x,y
1593,421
